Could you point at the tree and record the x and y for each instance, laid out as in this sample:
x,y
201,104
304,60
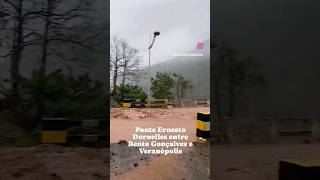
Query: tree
x,y
130,65
25,25
61,30
233,76
115,58
125,64
182,85
17,40
132,92
161,86
57,30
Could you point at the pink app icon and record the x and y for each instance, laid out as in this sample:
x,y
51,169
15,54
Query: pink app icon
x,y
199,45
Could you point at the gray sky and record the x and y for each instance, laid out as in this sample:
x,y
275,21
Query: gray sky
x,y
182,24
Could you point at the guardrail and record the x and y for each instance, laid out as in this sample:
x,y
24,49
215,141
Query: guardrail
x,y
266,129
65,131
202,102
173,103
164,103
133,103
157,103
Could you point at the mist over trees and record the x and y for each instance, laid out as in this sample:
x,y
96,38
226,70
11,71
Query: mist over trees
x,y
45,33
195,69
234,79
161,86
182,86
288,52
166,85
126,72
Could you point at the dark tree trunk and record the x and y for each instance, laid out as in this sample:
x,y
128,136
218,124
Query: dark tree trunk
x,y
122,84
181,92
115,77
232,100
15,60
40,99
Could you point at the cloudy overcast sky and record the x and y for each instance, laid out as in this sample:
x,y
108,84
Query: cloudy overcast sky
x,y
182,24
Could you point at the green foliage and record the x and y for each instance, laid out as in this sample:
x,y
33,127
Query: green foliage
x,y
65,95
132,92
161,86
126,92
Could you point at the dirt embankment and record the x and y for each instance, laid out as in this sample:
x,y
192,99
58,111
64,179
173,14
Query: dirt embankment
x,y
252,162
53,162
128,164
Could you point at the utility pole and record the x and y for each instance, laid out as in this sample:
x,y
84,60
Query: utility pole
x,y
155,34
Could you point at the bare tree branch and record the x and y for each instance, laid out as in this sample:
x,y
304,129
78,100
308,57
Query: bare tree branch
x,y
14,6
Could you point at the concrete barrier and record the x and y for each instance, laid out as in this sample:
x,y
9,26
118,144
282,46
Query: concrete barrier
x,y
201,102
133,103
59,131
157,103
203,125
267,130
299,169
164,103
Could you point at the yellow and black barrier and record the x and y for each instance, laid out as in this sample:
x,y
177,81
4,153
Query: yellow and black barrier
x,y
126,103
139,103
54,131
58,131
133,103
203,125
299,169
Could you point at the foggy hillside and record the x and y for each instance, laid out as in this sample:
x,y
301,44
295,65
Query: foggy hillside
x,y
285,42
196,69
